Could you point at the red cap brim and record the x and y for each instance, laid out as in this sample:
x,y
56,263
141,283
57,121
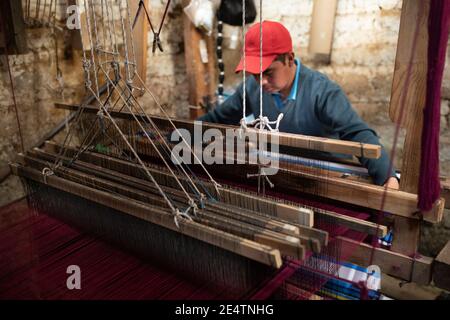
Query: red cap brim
x,y
252,64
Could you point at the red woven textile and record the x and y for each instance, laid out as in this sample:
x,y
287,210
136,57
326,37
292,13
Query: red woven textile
x,y
36,250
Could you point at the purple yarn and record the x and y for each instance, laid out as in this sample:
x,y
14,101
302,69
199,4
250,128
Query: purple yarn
x,y
438,27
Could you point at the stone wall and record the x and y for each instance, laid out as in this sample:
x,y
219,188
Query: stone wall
x,y
36,90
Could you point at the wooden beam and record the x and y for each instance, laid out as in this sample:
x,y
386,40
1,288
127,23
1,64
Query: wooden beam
x,y
282,139
322,27
395,264
410,75
140,38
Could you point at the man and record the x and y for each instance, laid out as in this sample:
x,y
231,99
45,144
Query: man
x,y
311,103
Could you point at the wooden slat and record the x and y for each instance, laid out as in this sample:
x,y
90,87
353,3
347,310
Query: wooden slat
x,y
410,75
288,245
398,265
238,245
283,139
363,226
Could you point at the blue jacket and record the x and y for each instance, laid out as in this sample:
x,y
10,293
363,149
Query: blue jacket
x,y
316,106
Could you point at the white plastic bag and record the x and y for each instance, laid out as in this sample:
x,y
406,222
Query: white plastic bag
x,y
201,14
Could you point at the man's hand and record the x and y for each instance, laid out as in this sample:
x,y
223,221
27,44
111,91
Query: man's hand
x,y
392,183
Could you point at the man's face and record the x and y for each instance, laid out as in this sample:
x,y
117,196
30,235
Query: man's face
x,y
277,76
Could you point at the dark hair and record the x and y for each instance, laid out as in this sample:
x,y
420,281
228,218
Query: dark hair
x,y
281,58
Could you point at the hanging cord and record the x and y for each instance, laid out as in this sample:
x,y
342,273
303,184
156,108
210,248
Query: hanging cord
x,y
92,58
175,210
13,92
262,122
244,89
127,62
260,67
142,84
89,66
142,111
156,38
191,202
106,113
152,143
133,53
59,76
216,185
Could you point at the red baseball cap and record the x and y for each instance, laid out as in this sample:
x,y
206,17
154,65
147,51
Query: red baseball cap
x,y
276,41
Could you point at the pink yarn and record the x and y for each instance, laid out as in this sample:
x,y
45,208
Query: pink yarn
x,y
438,27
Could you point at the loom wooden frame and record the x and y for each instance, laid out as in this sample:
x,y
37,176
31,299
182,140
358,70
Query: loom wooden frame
x,y
406,226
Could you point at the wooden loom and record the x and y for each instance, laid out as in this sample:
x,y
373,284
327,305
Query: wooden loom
x,y
332,187
263,229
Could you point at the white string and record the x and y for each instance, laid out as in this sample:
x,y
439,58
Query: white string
x,y
260,67
262,122
216,185
129,106
244,102
105,112
92,60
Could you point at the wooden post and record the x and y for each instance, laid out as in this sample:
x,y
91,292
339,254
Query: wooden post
x,y
201,76
12,28
140,38
413,83
322,27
